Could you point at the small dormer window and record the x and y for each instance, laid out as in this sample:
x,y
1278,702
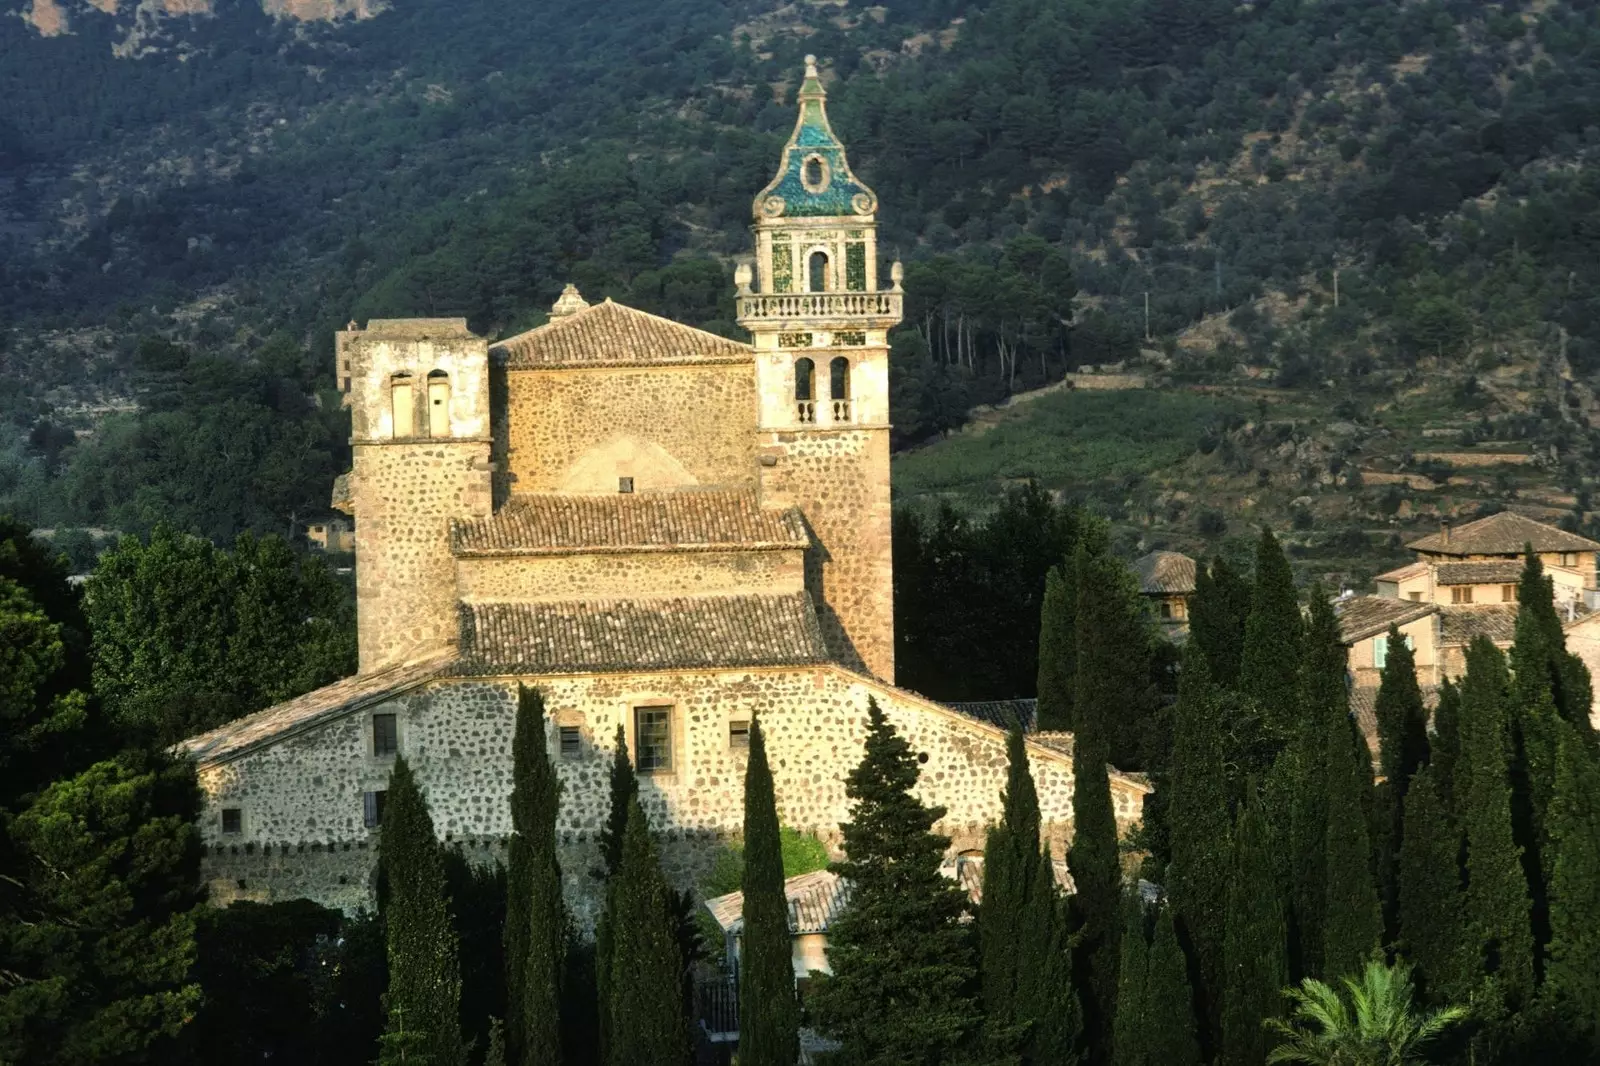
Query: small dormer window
x,y
814,174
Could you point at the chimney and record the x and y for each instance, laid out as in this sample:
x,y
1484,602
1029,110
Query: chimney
x,y
1444,529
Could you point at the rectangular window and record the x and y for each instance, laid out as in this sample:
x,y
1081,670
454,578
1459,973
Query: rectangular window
x,y
624,484
652,739
372,804
1569,559
1461,594
232,820
385,735
1166,609
1508,593
571,742
1416,597
739,733
855,267
782,264
1380,651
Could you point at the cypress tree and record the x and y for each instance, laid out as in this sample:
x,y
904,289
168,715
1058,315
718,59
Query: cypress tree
x,y
1112,694
1352,921
1572,977
1272,637
535,927
769,1016
424,998
496,1053
1058,651
647,1022
1218,611
1047,1001
1255,952
1431,930
1445,750
1497,907
1130,1034
1323,695
1169,1000
1006,946
1540,661
624,791
903,964
1403,746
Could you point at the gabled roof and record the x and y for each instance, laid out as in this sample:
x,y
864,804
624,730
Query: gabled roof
x,y
1363,616
1490,573
1001,712
1461,625
611,335
605,636
1404,573
1506,533
1165,573
815,900
686,519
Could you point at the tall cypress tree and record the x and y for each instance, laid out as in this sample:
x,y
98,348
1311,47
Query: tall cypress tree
x,y
1255,953
1572,977
1169,1000
1058,651
1046,997
1131,1032
1323,695
903,964
624,791
1403,746
1218,611
1497,907
535,928
1272,637
1540,661
1352,920
1431,930
424,998
1445,750
1113,695
647,1021
1007,947
769,1016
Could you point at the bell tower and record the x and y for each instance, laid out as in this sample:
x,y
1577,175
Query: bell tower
x,y
820,323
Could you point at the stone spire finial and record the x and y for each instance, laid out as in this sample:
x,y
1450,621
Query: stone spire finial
x,y
897,275
743,275
570,303
811,67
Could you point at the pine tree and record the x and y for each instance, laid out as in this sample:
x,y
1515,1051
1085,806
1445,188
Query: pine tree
x,y
424,997
1169,1000
1218,611
1323,695
904,968
1272,637
769,1016
1431,930
1255,953
1131,1032
1497,907
1572,977
1352,926
1058,651
535,928
1403,746
647,1021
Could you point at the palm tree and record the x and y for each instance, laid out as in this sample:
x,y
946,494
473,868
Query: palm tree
x,y
1378,1027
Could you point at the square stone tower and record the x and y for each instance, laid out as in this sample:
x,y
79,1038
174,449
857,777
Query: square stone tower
x,y
418,393
820,323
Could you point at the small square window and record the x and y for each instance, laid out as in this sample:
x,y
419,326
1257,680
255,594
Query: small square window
x,y
372,804
739,733
1416,597
1569,559
385,735
571,742
652,739
624,484
1508,593
1461,594
232,820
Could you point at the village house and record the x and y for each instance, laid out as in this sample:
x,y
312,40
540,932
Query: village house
x,y
1166,580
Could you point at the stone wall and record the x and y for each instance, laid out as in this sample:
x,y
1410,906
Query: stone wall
x,y
302,797
632,575
666,427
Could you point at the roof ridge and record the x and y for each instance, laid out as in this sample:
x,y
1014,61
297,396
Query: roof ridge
x,y
609,308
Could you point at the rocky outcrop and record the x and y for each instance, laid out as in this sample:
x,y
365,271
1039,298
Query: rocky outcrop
x,y
52,18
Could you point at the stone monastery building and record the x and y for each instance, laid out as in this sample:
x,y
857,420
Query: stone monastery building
x,y
661,529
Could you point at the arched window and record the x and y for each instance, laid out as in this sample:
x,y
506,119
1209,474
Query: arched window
x,y
403,406
817,269
805,390
815,174
438,404
839,388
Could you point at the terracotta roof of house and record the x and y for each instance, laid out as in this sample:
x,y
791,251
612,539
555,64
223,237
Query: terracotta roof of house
x,y
1478,573
685,519
1362,616
609,334
1165,573
1460,625
611,635
1001,712
331,701
1404,573
1506,533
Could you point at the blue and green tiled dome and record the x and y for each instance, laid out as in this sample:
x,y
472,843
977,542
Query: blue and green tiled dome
x,y
814,180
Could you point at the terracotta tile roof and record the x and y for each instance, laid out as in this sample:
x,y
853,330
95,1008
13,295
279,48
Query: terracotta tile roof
x,y
1001,712
609,334
1165,573
1460,625
1506,533
815,900
613,635
1362,616
686,519
331,701
1478,573
1405,573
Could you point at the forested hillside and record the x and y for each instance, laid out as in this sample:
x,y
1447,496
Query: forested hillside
x,y
1349,213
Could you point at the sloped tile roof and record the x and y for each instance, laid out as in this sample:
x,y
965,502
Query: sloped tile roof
x,y
815,900
1404,573
686,519
609,334
331,701
1362,616
1478,573
1165,573
1461,625
1506,533
614,635
1001,712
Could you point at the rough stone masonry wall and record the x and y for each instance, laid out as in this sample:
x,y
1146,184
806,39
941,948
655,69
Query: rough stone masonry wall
x,y
579,430
635,575
404,497
302,797
840,480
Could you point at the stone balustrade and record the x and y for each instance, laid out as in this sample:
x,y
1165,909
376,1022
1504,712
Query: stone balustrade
x,y
834,305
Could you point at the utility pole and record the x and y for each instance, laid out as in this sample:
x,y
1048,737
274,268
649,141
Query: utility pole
x,y
1146,316
1335,287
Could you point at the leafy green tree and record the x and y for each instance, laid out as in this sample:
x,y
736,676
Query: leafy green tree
x,y
1273,637
1431,931
1058,651
40,720
1255,953
1572,976
424,998
1378,1026
99,948
1218,613
1352,926
769,1017
536,918
904,969
646,1017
